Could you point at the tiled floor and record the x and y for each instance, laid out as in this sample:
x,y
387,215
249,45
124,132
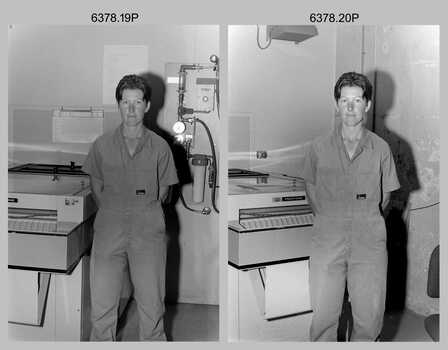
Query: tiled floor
x,y
183,322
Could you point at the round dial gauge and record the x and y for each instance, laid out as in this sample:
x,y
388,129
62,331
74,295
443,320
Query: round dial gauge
x,y
179,127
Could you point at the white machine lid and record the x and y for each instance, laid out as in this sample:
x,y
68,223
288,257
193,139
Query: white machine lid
x,y
46,184
273,183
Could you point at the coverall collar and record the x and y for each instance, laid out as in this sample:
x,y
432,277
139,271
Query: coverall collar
x,y
364,143
145,139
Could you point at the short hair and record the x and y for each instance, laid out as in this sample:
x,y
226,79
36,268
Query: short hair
x,y
353,79
133,81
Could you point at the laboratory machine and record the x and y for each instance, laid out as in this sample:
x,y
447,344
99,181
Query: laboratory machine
x,y
50,215
269,242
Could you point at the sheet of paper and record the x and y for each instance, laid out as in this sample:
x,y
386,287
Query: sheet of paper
x,y
118,61
287,289
23,296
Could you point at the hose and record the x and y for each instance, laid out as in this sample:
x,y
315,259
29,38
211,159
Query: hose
x,y
203,211
214,167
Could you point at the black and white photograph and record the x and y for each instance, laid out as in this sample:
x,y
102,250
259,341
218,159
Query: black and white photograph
x,y
223,173
333,188
113,163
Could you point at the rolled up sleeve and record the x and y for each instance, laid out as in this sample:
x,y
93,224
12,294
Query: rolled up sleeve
x,y
308,171
389,173
92,163
166,168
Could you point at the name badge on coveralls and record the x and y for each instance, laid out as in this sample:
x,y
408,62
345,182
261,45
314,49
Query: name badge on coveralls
x,y
361,196
140,192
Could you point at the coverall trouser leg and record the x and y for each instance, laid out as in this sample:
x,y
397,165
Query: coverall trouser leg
x,y
108,266
367,279
327,286
356,253
147,264
106,280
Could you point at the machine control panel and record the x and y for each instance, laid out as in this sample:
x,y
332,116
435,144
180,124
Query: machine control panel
x,y
276,217
278,222
34,226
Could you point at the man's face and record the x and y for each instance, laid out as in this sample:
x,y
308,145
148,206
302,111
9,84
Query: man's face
x,y
132,107
351,106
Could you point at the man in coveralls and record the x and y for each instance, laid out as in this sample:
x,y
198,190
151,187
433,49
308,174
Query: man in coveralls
x,y
349,175
131,169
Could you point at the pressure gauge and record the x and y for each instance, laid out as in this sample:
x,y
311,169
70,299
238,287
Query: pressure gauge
x,y
179,127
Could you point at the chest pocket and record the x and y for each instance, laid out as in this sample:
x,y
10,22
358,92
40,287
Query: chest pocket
x,y
332,183
146,182
113,175
369,179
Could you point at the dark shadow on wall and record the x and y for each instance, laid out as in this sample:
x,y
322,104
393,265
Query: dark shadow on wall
x,y
395,214
171,216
